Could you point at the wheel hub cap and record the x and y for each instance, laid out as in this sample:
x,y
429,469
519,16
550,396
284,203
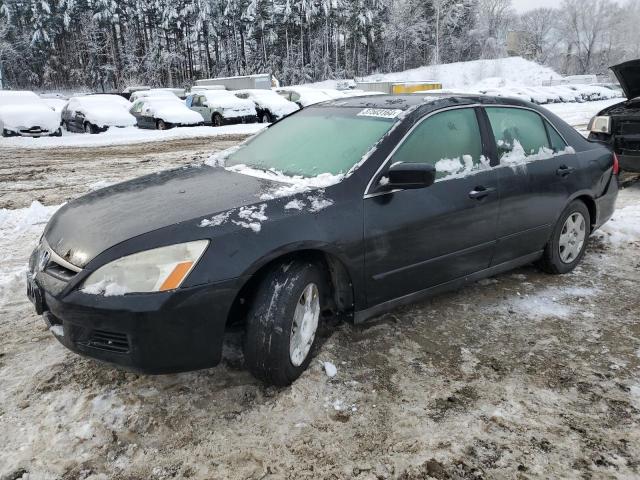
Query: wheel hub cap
x,y
572,237
305,324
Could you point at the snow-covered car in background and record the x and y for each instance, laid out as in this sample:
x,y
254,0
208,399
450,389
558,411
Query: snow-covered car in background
x,y
220,107
96,113
25,113
164,112
619,124
269,105
303,97
154,92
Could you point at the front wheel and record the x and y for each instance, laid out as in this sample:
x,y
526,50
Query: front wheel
x,y
161,125
266,118
282,322
217,120
88,128
568,241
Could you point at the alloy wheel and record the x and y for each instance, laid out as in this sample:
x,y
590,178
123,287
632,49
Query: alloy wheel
x,y
572,237
305,324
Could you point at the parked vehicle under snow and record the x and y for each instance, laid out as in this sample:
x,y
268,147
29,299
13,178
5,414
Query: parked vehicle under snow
x,y
96,113
24,113
221,107
269,105
164,112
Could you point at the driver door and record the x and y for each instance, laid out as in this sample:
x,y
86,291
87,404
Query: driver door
x,y
420,238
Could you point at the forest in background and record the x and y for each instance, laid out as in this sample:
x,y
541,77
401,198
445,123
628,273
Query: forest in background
x,y
106,45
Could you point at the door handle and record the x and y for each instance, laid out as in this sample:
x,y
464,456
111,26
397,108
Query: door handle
x,y
563,171
478,193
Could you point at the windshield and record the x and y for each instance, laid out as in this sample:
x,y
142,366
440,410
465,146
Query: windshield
x,y
315,141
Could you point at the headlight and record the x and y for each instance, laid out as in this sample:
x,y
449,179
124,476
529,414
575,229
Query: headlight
x,y
600,124
156,270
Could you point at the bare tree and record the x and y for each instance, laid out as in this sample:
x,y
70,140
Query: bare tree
x,y
586,25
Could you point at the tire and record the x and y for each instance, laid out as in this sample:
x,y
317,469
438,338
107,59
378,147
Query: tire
x,y
160,125
88,128
567,245
65,125
272,332
57,133
217,120
266,118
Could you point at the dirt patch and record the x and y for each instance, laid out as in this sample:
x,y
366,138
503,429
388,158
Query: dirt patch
x,y
56,175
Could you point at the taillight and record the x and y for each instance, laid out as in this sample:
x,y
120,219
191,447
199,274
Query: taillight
x,y
616,165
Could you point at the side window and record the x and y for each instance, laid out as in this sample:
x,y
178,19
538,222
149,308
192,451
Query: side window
x,y
189,101
557,143
515,126
450,141
137,107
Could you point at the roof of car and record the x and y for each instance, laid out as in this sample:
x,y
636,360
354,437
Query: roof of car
x,y
406,101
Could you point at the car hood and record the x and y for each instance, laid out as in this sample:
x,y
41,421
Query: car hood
x,y
83,228
628,74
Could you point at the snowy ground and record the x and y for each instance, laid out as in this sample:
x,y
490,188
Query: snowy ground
x,y
521,376
128,136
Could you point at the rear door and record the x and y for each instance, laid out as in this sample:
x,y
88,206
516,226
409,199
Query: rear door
x,y
537,174
416,239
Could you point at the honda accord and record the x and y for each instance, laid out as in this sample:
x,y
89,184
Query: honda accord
x,y
349,207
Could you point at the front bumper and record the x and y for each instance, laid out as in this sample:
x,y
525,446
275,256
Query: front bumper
x,y
29,132
155,333
244,119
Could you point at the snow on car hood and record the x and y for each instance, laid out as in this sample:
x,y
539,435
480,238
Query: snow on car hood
x,y
17,117
175,112
108,116
628,74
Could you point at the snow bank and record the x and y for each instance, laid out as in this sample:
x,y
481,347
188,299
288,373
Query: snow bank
x,y
623,228
20,230
512,77
22,110
103,110
129,136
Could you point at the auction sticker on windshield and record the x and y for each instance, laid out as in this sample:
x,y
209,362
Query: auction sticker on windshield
x,y
380,112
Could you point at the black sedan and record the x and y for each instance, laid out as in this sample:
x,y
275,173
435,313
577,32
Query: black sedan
x,y
411,196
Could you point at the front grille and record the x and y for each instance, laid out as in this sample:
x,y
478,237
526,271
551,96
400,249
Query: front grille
x,y
110,341
628,127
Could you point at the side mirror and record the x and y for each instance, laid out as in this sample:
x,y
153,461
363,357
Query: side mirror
x,y
411,175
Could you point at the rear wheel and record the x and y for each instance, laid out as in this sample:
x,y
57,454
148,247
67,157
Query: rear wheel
x,y
569,240
217,120
161,125
57,133
282,322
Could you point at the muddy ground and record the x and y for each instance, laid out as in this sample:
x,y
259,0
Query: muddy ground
x,y
55,175
524,375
